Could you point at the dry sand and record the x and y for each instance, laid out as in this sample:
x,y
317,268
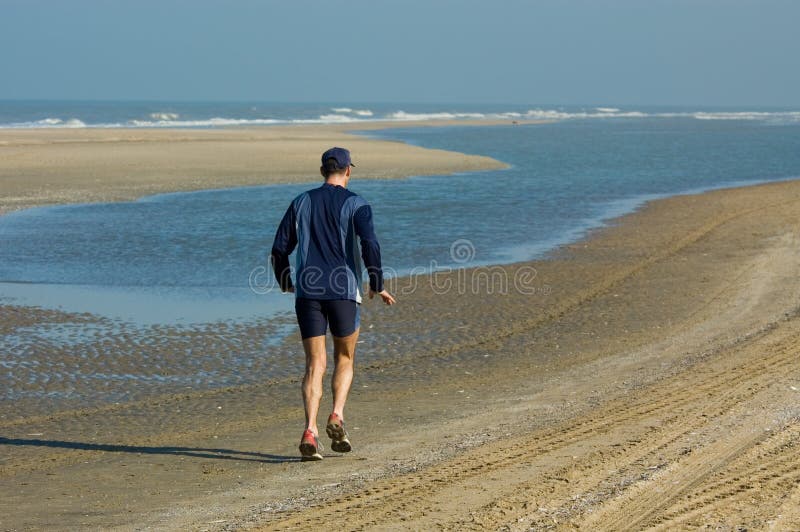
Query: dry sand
x,y
650,379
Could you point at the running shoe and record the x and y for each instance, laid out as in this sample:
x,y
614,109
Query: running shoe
x,y
310,447
335,429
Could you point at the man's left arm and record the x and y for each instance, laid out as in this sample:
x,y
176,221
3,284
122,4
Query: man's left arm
x,y
370,248
371,253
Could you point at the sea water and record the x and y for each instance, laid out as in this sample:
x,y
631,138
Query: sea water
x,y
201,256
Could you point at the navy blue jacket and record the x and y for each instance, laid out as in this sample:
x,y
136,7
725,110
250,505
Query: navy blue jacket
x,y
324,224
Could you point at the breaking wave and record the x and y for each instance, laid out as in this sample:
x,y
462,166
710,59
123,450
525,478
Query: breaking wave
x,y
789,116
211,122
402,115
347,110
48,123
164,116
330,119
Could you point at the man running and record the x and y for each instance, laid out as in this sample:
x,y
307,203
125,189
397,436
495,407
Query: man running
x,y
325,222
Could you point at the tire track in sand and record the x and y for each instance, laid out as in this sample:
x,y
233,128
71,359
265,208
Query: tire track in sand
x,y
516,471
771,466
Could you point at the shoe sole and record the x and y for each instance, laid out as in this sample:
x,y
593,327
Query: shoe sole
x,y
338,436
309,453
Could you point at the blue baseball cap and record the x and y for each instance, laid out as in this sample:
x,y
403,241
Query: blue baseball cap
x,y
340,155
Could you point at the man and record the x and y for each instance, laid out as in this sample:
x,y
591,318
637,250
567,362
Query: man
x,y
325,222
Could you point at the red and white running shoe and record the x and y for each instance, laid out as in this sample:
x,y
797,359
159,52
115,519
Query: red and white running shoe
x,y
335,429
310,447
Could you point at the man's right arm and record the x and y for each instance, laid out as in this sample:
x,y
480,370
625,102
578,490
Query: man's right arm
x,y
282,247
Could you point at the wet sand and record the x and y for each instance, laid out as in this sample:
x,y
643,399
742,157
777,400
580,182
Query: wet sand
x,y
645,377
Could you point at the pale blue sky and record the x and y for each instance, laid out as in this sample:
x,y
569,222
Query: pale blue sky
x,y
674,52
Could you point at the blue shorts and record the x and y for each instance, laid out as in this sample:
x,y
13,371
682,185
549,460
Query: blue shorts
x,y
314,316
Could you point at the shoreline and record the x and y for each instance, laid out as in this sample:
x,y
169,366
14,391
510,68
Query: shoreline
x,y
557,245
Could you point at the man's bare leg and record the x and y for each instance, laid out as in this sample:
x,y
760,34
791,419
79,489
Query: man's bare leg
x,y
316,360
344,352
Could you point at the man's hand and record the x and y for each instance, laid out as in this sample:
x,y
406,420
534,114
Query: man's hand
x,y
386,296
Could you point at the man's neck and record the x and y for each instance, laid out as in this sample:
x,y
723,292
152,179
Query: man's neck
x,y
337,182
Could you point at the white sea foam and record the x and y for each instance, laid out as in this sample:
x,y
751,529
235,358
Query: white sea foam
x,y
554,114
349,115
165,116
47,123
211,122
348,110
330,119
789,116
402,115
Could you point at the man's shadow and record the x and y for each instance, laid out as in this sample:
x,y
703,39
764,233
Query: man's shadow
x,y
195,452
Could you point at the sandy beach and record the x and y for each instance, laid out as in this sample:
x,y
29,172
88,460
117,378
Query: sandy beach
x,y
646,377
50,166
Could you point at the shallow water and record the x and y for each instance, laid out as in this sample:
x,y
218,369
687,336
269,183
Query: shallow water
x,y
194,257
